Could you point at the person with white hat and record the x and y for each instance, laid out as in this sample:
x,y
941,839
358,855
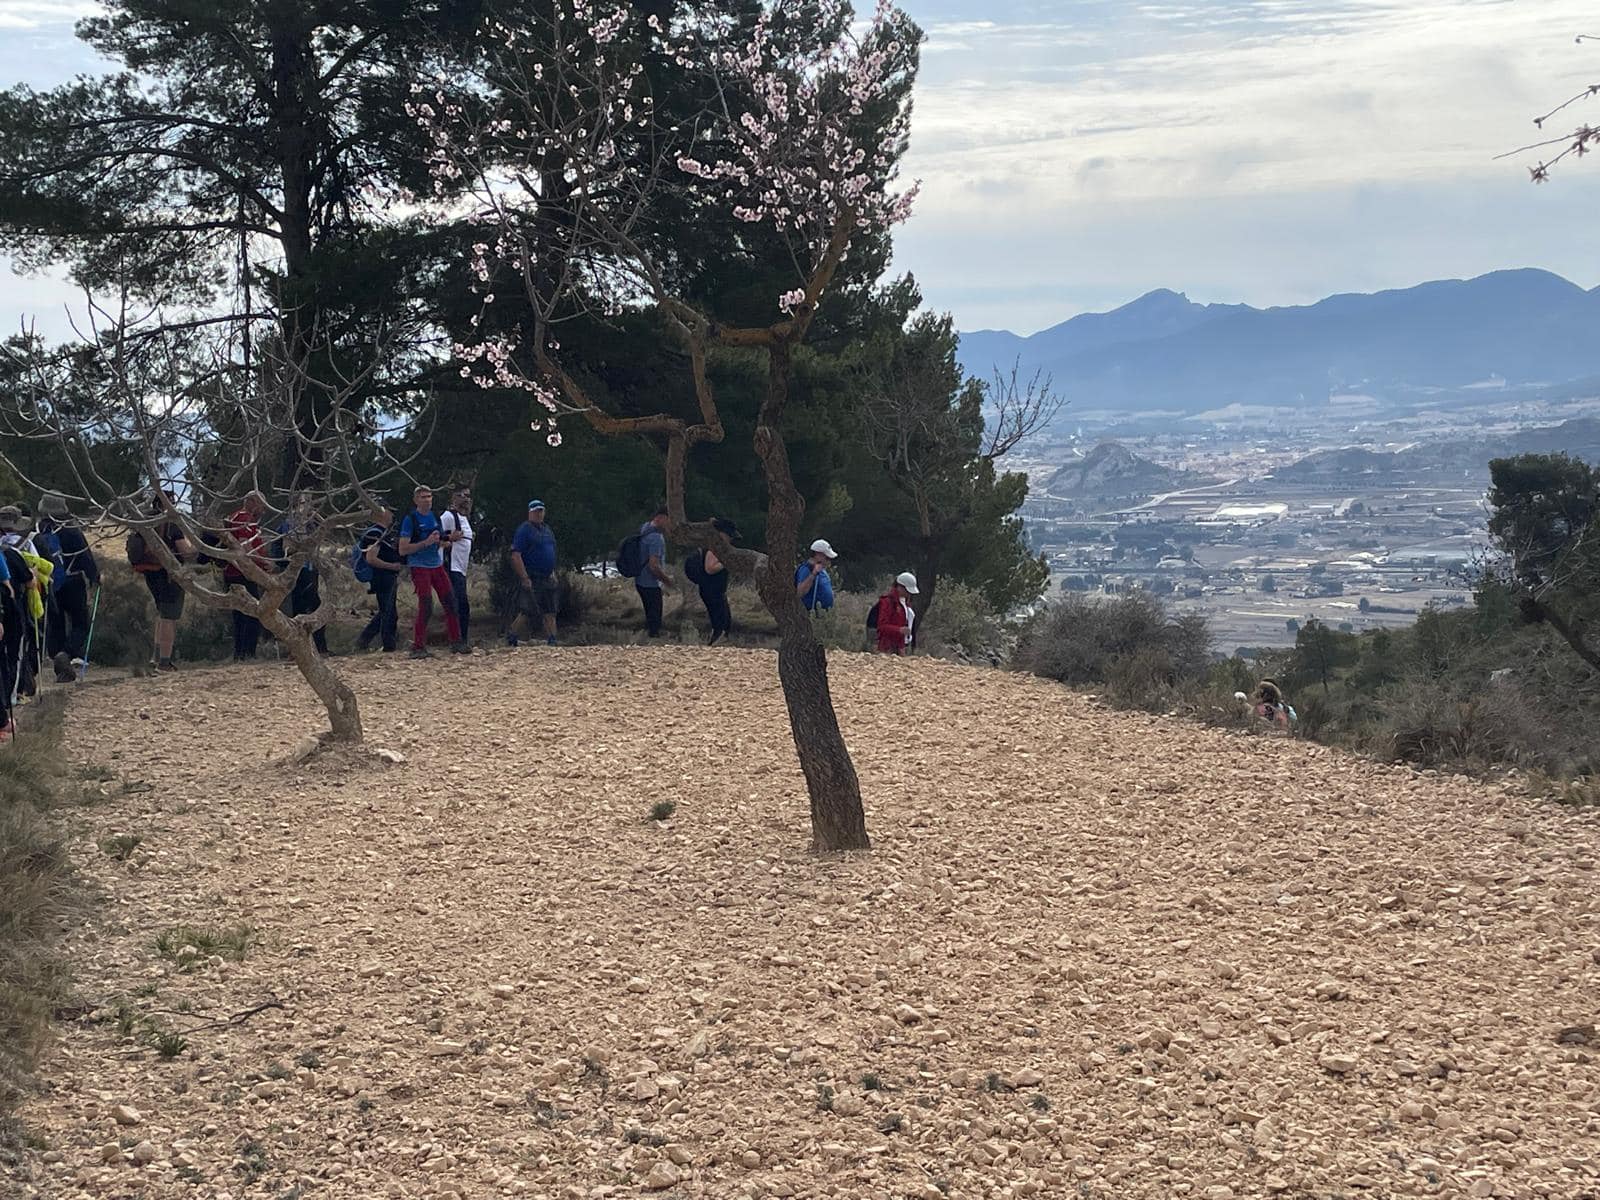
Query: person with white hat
x,y
895,615
811,579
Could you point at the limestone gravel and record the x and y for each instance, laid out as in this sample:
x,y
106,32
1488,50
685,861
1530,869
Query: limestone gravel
x,y
1092,954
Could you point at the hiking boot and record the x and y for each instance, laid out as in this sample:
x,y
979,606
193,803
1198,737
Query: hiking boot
x,y
363,644
65,671
421,652
166,664
460,648
513,640
551,640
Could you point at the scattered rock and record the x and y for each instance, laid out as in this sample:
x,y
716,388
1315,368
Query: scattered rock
x,y
907,1015
662,1176
1339,1064
126,1114
144,1154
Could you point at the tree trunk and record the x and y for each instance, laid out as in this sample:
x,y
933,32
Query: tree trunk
x,y
838,821
1573,633
344,715
930,558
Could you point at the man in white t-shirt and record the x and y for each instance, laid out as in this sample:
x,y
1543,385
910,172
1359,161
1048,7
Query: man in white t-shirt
x,y
456,524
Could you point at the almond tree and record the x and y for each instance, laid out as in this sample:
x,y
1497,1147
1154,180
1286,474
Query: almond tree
x,y
578,176
1581,140
153,420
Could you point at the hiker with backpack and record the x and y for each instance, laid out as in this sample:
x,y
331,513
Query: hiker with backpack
x,y
164,589
643,556
811,578
76,575
422,546
244,526
375,561
456,521
895,615
710,574
533,561
20,642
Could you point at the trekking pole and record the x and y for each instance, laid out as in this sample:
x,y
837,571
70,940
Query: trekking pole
x,y
83,669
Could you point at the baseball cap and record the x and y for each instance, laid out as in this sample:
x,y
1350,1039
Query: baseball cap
x,y
908,581
821,547
533,504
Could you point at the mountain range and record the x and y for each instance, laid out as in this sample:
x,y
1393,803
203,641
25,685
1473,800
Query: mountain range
x,y
1163,351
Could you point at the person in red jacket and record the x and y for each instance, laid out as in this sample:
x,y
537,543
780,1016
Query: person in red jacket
x,y
245,528
894,621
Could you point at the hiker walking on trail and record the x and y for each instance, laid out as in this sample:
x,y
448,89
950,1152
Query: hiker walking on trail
x,y
895,616
533,560
77,575
376,562
421,545
244,526
811,578
652,576
456,521
710,574
164,589
1270,705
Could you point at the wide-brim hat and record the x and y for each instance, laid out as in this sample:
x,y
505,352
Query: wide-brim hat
x,y
53,505
12,519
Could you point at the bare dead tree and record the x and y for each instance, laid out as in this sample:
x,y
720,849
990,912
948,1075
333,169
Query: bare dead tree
x,y
939,434
196,428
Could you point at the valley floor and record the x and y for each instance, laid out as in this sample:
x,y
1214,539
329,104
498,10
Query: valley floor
x,y
1092,954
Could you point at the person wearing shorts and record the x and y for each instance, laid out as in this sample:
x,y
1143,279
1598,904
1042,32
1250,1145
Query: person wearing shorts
x,y
164,589
533,559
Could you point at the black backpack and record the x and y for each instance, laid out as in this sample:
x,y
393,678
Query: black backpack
x,y
138,553
694,568
630,556
872,615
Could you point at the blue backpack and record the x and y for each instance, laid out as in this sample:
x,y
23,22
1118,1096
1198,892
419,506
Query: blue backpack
x,y
359,566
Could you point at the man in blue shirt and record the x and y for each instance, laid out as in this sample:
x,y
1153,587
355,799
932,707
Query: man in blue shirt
x,y
811,578
533,558
653,575
421,540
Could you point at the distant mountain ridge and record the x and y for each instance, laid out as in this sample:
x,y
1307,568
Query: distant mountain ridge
x,y
1111,469
1163,351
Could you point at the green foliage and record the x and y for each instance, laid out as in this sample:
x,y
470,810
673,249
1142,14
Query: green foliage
x,y
1130,644
191,945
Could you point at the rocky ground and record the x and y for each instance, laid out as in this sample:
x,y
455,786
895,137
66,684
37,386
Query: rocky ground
x,y
1092,954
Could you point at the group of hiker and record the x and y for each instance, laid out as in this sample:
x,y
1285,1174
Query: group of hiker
x,y
49,580
47,575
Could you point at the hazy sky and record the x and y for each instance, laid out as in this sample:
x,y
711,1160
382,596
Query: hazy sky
x,y
1077,153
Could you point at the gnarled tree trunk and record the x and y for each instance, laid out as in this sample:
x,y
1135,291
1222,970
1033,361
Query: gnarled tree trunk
x,y
344,715
838,821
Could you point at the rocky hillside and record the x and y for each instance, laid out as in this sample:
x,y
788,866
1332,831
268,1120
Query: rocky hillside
x,y
1093,954
1112,470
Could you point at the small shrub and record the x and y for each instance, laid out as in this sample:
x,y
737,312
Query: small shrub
x,y
121,846
167,1043
824,1097
662,810
1039,1102
962,624
871,1082
892,1123
309,1059
279,1071
189,945
252,1162
1130,644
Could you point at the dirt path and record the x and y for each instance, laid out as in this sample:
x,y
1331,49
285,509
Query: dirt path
x,y
1092,955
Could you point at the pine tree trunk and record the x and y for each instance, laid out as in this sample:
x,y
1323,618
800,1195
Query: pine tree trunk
x,y
344,715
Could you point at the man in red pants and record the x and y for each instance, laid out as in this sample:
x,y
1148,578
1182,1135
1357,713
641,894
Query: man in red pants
x,y
421,545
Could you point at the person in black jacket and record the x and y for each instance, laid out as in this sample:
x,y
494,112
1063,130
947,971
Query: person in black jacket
x,y
710,574
76,577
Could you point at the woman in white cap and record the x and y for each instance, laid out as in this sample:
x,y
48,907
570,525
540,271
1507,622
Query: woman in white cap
x,y
811,579
895,616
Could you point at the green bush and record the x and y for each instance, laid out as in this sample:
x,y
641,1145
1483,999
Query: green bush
x,y
962,624
1131,645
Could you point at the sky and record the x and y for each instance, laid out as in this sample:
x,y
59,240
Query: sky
x,y
1075,154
